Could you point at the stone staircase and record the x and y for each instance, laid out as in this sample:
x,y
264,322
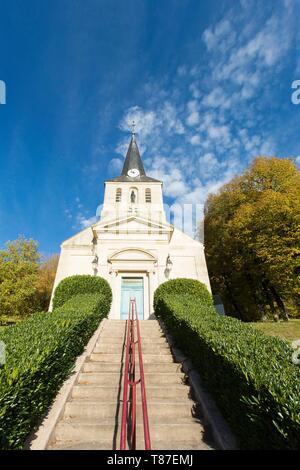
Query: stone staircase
x,y
92,413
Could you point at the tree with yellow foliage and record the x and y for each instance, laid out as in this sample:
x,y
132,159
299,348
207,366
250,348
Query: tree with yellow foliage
x,y
25,281
252,241
19,264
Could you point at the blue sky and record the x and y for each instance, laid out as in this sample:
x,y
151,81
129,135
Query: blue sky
x,y
208,83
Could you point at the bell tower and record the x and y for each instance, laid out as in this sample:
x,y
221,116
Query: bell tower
x,y
133,192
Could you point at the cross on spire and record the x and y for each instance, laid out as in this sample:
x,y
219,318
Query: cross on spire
x,y
133,129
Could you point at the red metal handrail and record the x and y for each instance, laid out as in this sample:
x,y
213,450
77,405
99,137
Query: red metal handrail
x,y
143,388
130,381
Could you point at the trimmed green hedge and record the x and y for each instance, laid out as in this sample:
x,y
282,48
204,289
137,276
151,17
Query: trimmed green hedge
x,y
40,354
250,375
183,286
80,284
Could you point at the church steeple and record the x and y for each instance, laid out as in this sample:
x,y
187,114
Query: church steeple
x,y
133,168
133,159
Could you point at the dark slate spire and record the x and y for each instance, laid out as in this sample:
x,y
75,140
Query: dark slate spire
x,y
133,161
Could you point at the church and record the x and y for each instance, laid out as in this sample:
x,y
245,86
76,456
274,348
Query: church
x,y
133,246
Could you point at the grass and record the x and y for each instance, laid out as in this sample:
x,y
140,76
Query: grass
x,y
289,331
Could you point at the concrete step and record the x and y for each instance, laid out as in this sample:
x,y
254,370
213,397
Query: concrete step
x,y
118,340
112,379
109,434
124,322
147,358
145,336
123,326
166,444
95,393
119,347
112,420
149,333
157,445
69,445
92,366
111,411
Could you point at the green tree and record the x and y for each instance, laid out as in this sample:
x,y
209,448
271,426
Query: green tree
x,y
19,266
252,240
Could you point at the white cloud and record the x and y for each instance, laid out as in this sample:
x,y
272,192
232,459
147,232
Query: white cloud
x,y
80,218
68,214
173,188
171,174
193,118
193,114
195,140
217,98
169,118
116,165
208,163
182,71
250,56
84,222
222,32
145,121
221,133
194,89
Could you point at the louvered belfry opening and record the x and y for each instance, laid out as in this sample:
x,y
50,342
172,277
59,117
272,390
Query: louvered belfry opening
x,y
148,195
119,195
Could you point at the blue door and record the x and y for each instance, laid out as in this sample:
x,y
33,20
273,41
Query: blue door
x,y
132,287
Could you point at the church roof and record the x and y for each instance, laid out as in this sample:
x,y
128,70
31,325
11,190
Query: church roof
x,y
133,161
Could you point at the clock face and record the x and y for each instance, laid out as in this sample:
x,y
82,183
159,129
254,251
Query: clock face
x,y
133,173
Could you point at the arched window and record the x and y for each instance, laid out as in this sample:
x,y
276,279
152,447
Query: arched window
x,y
148,195
118,195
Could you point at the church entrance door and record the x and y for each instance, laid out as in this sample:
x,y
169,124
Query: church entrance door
x,y
132,287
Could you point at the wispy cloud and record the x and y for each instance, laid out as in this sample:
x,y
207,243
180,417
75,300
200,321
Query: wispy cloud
x,y
84,222
153,124
79,216
116,164
208,123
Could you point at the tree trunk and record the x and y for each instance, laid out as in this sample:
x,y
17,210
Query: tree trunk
x,y
256,299
231,298
270,300
280,303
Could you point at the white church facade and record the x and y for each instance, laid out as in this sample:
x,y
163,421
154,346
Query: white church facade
x,y
133,246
